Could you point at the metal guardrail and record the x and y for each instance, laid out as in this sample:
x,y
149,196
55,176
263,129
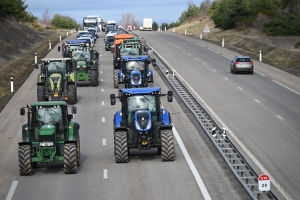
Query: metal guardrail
x,y
236,162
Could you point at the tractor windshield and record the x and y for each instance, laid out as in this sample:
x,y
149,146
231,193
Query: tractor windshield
x,y
56,67
48,115
129,51
81,55
141,102
135,65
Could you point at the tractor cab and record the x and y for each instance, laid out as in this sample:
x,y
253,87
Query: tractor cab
x,y
71,44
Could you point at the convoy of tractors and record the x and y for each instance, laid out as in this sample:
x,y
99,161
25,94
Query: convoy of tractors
x,y
142,123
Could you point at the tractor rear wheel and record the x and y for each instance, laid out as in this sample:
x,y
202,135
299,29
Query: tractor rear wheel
x,y
150,84
121,149
94,78
121,86
25,164
116,78
72,94
167,145
70,158
41,93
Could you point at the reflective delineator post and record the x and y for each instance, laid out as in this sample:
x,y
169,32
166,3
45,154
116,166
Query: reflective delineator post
x,y
59,37
222,42
67,33
260,56
11,84
173,30
200,36
35,58
165,28
49,44
184,31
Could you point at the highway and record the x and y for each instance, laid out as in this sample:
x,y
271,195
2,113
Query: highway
x,y
99,177
262,110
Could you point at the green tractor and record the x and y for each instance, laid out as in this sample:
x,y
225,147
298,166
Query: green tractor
x,y
85,66
49,136
55,81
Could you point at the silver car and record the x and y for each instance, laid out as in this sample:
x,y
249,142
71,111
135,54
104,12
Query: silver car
x,y
241,64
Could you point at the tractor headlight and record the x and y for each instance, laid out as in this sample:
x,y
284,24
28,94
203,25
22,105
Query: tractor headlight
x,y
46,144
137,126
81,66
148,125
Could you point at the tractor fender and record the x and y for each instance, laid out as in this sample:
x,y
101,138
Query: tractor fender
x,y
121,129
118,119
166,127
24,143
73,131
166,117
70,83
40,84
24,132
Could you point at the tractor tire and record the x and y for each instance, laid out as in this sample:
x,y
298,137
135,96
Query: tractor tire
x,y
70,158
41,93
150,84
72,94
116,78
94,78
167,145
25,164
121,149
121,86
78,149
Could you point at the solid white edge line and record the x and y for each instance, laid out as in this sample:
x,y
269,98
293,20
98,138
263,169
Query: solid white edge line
x,y
257,100
226,57
286,87
12,190
213,50
279,117
259,73
231,133
105,173
191,165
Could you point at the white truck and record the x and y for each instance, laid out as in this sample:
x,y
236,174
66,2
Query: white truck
x,y
147,24
91,21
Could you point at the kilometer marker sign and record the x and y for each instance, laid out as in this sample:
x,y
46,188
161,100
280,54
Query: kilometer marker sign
x,y
264,183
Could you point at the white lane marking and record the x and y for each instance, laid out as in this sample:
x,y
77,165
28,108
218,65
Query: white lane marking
x,y
103,119
226,78
286,87
191,165
214,70
196,58
257,100
105,173
102,90
101,80
12,190
247,151
101,65
100,55
204,63
213,50
226,57
102,103
201,45
103,142
240,88
279,117
101,71
259,73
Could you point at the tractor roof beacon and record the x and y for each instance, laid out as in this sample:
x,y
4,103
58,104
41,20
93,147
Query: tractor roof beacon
x,y
135,72
54,81
142,123
49,136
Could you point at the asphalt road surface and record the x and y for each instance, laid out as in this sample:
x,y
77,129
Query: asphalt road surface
x,y
99,177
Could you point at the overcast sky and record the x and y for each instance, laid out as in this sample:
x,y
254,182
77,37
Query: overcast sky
x,y
159,10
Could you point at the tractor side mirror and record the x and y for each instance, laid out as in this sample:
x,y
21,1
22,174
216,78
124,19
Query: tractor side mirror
x,y
70,117
112,99
148,61
22,111
153,62
170,96
74,109
96,55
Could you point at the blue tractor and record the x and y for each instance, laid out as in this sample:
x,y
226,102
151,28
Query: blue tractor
x,y
71,44
142,123
135,72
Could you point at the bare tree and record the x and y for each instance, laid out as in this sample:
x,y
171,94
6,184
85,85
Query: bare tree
x,y
46,18
128,19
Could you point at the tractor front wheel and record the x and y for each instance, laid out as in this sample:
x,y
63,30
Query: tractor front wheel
x,y
167,145
121,148
72,94
70,158
94,78
25,164
116,78
121,86
41,93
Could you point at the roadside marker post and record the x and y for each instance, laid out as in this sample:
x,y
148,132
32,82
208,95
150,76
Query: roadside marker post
x,y
59,37
206,30
260,56
165,28
264,183
222,42
173,30
11,84
35,58
200,36
184,31
67,33
49,44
